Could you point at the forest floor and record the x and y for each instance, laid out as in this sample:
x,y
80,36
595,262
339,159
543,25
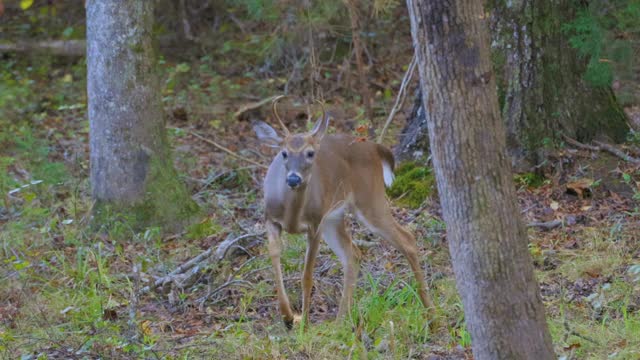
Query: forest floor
x,y
69,290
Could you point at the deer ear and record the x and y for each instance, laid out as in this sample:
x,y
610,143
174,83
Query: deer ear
x,y
320,127
267,134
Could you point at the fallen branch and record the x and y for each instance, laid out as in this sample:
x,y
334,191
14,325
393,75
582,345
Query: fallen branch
x,y
71,48
185,273
53,47
232,153
617,152
547,225
579,144
401,96
603,147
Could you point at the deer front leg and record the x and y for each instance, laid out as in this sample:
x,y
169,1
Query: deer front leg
x,y
313,243
275,249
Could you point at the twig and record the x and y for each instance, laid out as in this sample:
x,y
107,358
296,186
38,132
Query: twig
x,y
207,183
133,302
222,287
617,152
254,105
574,333
232,153
401,96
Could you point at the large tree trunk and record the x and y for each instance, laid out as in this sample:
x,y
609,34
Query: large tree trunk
x,y
487,239
542,91
131,168
543,88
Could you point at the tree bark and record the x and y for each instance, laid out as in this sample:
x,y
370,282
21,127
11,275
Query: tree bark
x,y
541,88
487,238
131,167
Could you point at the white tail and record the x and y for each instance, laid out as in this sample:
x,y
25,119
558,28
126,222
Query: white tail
x,y
313,181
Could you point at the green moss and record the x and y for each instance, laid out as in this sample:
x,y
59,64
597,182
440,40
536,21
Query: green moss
x,y
166,204
412,186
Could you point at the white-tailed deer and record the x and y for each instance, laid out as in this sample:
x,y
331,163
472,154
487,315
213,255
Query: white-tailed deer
x,y
311,183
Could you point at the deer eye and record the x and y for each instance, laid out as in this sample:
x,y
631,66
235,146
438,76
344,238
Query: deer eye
x,y
285,155
310,154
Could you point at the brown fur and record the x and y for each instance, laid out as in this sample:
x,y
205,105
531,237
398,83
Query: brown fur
x,y
343,175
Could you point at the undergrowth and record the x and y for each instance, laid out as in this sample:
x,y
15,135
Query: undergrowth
x,y
66,290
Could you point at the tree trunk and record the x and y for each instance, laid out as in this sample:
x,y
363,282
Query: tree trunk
x,y
541,88
131,167
414,139
487,238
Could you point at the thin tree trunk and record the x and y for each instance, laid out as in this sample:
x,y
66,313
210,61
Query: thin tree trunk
x,y
487,239
414,139
131,166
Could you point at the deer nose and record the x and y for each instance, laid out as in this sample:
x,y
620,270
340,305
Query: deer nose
x,y
293,180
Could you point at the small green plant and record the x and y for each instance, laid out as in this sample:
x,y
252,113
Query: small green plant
x,y
530,180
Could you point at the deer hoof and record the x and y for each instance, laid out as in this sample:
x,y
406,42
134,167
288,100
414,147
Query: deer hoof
x,y
288,323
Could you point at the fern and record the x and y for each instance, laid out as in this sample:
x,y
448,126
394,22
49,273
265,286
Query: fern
x,y
603,32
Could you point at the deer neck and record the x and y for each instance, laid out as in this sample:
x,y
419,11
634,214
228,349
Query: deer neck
x,y
295,209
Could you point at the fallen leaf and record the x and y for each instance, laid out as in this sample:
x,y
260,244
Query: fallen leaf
x,y
25,4
572,346
109,314
554,205
581,187
145,327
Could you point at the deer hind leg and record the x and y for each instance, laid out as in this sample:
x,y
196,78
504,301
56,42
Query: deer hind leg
x,y
335,234
383,224
275,249
313,242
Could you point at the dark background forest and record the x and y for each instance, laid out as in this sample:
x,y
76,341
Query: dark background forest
x,y
81,283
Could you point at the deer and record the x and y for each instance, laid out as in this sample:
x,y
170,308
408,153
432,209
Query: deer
x,y
312,183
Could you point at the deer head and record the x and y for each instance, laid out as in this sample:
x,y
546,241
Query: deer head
x,y
297,151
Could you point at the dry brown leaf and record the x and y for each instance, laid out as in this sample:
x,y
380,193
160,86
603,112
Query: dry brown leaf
x,y
580,187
